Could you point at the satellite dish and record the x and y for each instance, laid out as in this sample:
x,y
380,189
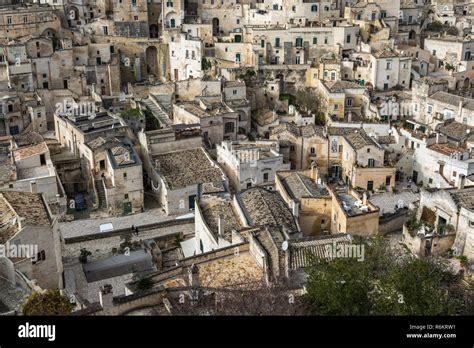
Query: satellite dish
x,y
284,245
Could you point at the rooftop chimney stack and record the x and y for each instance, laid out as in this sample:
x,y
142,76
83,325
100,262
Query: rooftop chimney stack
x,y
106,296
194,283
461,181
220,225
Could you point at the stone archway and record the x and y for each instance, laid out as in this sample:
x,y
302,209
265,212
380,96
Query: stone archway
x,y
49,33
153,31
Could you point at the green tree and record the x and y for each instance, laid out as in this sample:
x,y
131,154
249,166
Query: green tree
x,y
386,282
50,302
144,284
312,101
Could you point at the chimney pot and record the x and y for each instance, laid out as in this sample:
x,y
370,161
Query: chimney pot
x,y
364,198
461,181
220,225
106,296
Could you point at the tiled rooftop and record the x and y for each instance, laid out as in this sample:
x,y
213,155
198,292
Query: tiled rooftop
x,y
305,252
306,131
232,271
264,117
463,197
341,86
9,226
300,186
27,206
28,151
267,208
185,168
446,148
357,138
7,169
455,130
452,99
212,208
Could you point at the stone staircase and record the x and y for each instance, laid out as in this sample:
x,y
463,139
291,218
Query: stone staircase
x,y
158,112
101,194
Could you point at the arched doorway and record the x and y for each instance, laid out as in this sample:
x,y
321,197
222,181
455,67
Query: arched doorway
x,y
466,83
153,31
411,35
152,60
49,33
215,26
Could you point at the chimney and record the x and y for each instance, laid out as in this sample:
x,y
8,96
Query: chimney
x,y
106,296
193,274
461,181
220,225
314,172
364,198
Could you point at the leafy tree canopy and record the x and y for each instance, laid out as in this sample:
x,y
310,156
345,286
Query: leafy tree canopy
x,y
51,302
387,282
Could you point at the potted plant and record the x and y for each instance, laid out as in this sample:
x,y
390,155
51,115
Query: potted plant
x,y
463,260
84,255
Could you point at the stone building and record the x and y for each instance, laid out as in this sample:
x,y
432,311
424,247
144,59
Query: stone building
x,y
250,163
28,221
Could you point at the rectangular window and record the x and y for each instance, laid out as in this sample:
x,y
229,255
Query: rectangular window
x,y
370,185
265,177
41,256
371,163
315,40
124,175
